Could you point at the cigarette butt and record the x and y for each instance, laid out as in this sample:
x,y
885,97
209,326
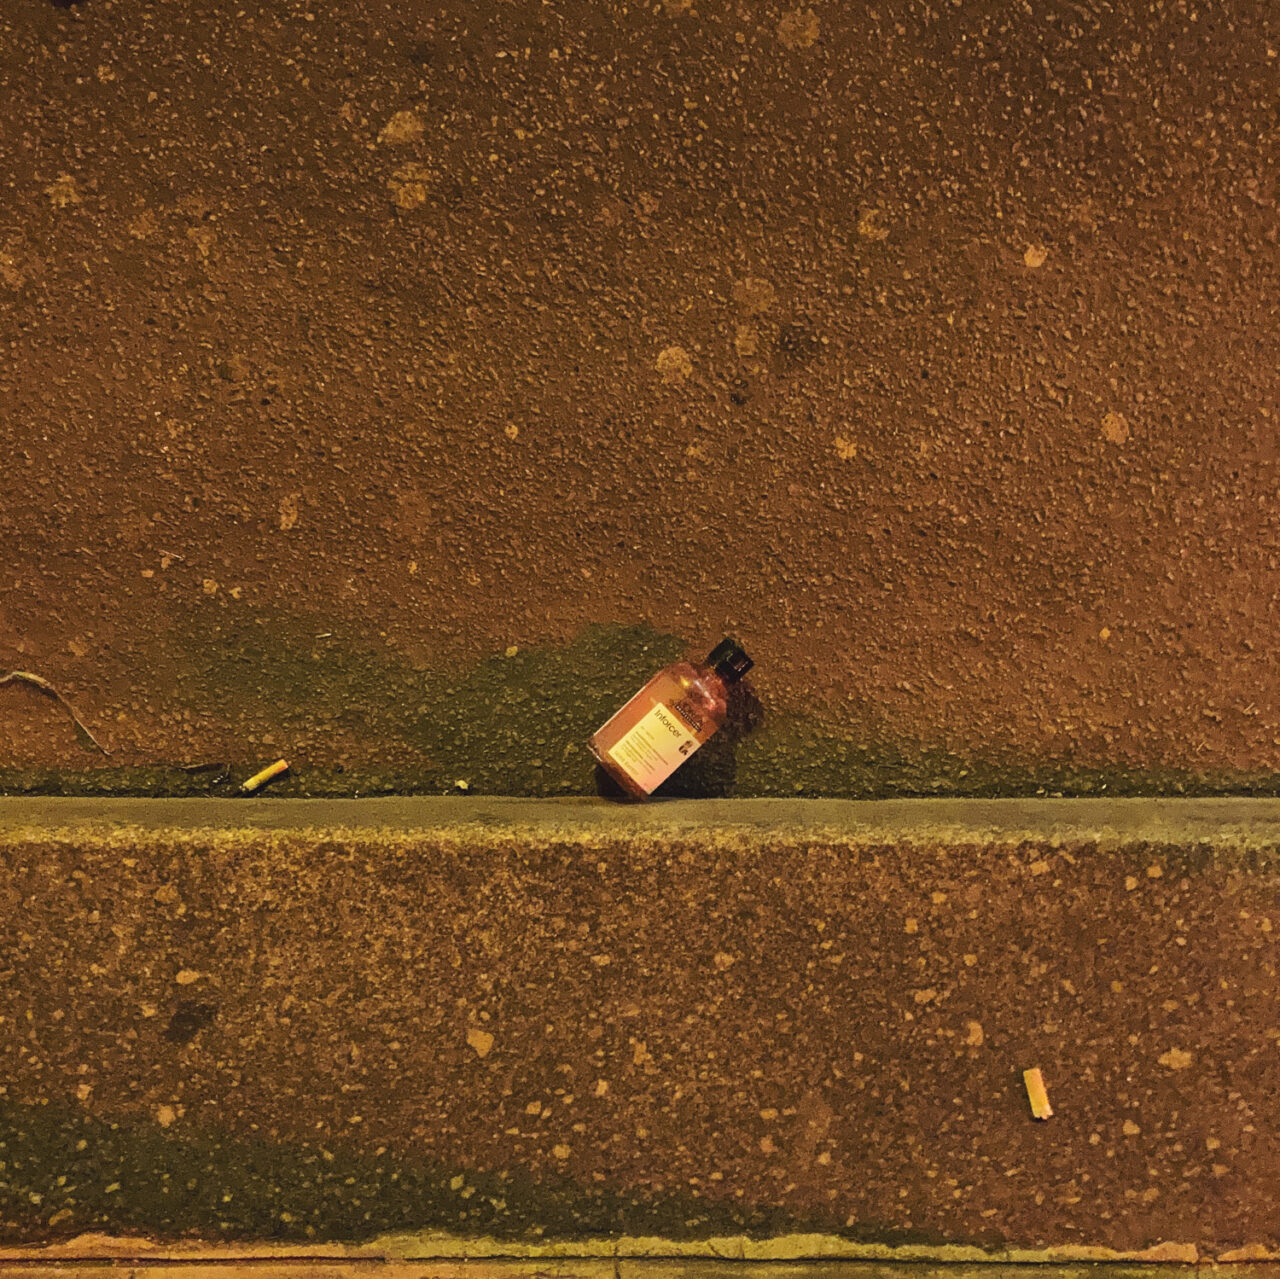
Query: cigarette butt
x,y
261,779
1037,1094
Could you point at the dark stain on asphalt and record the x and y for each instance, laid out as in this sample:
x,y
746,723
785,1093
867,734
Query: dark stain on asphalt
x,y
188,1020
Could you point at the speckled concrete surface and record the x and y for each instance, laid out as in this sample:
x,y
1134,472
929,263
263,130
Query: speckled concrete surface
x,y
622,1269
374,1268
533,1033
360,360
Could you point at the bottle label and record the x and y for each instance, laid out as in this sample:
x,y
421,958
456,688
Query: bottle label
x,y
654,748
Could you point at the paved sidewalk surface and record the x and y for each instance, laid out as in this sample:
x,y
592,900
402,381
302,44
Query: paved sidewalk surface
x,y
760,1030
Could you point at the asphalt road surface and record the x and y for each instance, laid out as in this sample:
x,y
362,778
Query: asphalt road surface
x,y
392,387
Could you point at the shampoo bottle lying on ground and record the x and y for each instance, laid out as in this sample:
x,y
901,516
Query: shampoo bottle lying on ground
x,y
668,719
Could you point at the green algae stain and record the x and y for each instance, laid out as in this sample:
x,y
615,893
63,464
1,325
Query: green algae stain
x,y
795,757
266,667
512,725
65,1172
517,725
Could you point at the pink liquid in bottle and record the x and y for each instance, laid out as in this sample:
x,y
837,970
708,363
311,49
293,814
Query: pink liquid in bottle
x,y
668,719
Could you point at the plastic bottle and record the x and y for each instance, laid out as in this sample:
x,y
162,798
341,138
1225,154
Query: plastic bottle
x,y
668,719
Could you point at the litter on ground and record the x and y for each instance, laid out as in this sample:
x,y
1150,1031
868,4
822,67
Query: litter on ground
x,y
262,778
42,685
1037,1093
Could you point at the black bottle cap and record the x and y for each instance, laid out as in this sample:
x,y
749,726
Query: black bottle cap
x,y
729,661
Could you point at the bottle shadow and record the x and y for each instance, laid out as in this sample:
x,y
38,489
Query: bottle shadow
x,y
712,770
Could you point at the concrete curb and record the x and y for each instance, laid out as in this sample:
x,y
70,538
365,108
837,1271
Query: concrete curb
x,y
1232,821
293,1266
588,1256
643,1255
